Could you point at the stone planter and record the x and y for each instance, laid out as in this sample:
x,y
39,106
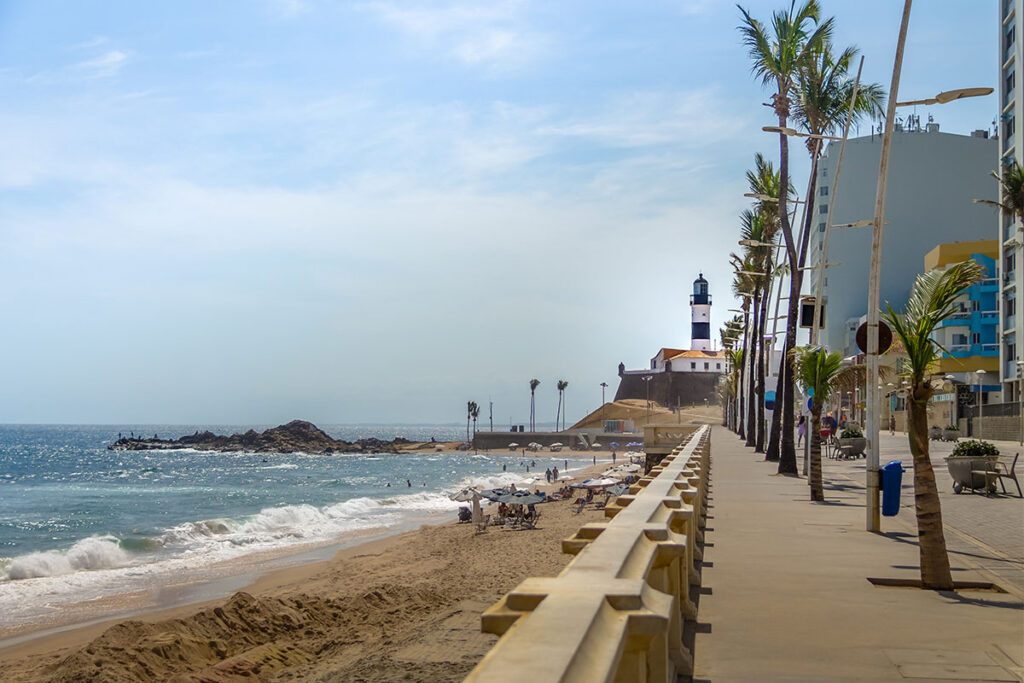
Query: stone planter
x,y
857,445
960,469
950,434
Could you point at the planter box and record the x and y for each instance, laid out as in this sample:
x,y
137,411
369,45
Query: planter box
x,y
857,444
950,434
960,469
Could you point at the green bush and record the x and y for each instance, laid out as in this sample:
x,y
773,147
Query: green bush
x,y
852,431
974,449
951,428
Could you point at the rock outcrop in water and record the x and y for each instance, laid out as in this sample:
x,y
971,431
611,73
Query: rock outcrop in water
x,y
298,436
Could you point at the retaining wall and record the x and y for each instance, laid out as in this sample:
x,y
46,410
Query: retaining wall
x,y
617,611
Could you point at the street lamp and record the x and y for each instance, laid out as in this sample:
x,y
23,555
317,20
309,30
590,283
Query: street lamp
x,y
795,133
949,96
952,404
980,374
647,383
769,198
873,520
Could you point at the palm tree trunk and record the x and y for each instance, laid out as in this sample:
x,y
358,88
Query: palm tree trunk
x,y
558,413
741,424
814,434
934,559
775,431
759,440
752,344
467,428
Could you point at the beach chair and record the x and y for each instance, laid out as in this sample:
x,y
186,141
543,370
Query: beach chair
x,y
530,523
482,526
1001,472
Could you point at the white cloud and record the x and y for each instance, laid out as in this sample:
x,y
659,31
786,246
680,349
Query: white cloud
x,y
104,66
494,35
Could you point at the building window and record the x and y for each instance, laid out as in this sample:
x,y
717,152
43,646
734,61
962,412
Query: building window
x,y
975,304
1011,354
823,190
821,226
975,337
1011,36
718,366
823,208
1011,262
1010,127
958,340
693,366
1011,81
1009,307
707,366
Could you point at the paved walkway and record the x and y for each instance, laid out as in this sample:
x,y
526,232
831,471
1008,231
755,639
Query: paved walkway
x,y
786,596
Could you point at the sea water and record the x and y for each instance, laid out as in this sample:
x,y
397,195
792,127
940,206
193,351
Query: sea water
x,y
80,522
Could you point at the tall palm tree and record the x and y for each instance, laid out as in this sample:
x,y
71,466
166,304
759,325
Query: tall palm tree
x,y
817,370
534,383
730,333
763,180
475,412
562,384
932,300
470,407
741,285
777,55
565,404
821,95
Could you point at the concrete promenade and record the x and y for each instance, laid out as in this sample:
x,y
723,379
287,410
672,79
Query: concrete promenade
x,y
786,595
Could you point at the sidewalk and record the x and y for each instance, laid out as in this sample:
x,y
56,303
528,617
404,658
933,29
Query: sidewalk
x,y
786,596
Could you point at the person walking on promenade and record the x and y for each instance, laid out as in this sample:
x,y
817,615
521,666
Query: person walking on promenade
x,y
892,425
801,430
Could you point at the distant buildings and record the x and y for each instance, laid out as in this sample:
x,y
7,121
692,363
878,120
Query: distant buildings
x,y
933,179
971,335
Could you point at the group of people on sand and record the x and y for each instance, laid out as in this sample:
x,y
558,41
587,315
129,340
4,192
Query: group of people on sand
x,y
551,474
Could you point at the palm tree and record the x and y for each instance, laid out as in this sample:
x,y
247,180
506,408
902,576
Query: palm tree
x,y
534,383
764,180
562,385
932,300
741,285
822,97
1011,186
730,334
475,413
818,371
778,56
471,407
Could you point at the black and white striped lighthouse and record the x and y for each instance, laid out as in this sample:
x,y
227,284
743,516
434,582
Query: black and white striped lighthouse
x,y
700,315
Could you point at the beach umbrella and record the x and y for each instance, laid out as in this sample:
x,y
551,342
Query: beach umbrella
x,y
595,445
614,444
513,499
558,443
618,489
599,483
466,495
633,443
493,494
513,446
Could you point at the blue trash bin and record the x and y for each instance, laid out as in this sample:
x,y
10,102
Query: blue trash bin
x,y
892,477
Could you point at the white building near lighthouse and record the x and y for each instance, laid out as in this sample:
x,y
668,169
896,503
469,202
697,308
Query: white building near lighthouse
x,y
700,357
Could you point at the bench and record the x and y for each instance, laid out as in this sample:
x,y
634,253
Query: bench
x,y
1003,472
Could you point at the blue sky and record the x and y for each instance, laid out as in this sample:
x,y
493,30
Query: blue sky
x,y
247,212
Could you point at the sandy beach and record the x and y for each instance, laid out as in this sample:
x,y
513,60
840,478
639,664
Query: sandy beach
x,y
406,607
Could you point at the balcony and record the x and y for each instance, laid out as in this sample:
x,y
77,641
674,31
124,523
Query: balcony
x,y
1010,322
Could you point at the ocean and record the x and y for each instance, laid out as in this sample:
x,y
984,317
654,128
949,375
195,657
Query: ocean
x,y
79,522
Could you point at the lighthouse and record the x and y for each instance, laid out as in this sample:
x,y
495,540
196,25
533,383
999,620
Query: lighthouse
x,y
700,315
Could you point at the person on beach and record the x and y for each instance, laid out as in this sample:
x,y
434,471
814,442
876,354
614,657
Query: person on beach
x,y
547,475
408,483
504,468
554,474
801,430
566,464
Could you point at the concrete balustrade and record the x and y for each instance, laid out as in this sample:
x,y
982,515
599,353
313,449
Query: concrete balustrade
x,y
616,612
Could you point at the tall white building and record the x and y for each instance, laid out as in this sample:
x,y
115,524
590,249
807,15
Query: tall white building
x,y
1010,236
933,179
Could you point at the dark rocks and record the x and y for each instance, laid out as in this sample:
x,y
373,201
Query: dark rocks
x,y
296,436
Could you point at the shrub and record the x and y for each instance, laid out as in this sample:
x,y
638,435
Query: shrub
x,y
974,449
852,431
951,428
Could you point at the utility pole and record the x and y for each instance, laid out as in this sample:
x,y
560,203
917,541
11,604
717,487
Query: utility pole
x,y
492,413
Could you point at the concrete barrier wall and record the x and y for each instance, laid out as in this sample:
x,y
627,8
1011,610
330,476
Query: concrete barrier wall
x,y
996,428
617,611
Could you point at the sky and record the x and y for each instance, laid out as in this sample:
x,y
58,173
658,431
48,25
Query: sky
x,y
249,212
